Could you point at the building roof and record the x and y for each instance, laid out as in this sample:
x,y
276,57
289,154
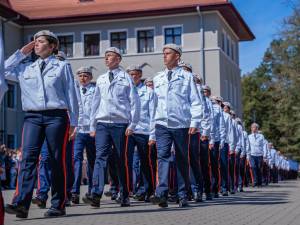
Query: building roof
x,y
53,11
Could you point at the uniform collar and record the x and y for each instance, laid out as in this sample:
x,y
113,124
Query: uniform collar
x,y
46,60
115,71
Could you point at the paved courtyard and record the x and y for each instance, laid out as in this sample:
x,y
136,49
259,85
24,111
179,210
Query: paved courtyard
x,y
275,204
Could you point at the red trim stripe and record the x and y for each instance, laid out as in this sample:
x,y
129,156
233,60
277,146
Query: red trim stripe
x,y
151,167
64,149
126,165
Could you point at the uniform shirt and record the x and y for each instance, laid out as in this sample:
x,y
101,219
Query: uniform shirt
x,y
257,144
273,156
53,89
245,145
206,126
115,102
267,153
86,97
178,104
206,120
218,125
147,99
240,138
230,137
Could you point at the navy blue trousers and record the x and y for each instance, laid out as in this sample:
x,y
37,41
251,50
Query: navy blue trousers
x,y
108,134
44,173
205,166
52,125
140,141
215,167
83,141
256,163
224,167
195,167
164,139
242,172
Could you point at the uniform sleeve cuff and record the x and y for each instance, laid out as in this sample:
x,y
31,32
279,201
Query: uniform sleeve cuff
x,y
194,124
131,126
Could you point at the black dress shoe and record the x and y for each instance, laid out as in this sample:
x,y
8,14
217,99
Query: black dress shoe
x,y
225,193
147,198
39,202
125,202
114,196
108,193
173,198
18,210
160,201
183,203
75,199
52,212
92,200
208,196
197,197
216,195
232,192
67,202
139,197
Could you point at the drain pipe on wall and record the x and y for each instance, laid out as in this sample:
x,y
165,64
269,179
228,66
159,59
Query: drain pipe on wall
x,y
202,61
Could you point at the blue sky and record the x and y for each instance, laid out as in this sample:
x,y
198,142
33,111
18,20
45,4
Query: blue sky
x,y
264,17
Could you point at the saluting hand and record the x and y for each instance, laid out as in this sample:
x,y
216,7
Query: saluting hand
x,y
27,49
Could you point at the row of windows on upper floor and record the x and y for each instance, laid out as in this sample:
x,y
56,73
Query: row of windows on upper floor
x,y
145,41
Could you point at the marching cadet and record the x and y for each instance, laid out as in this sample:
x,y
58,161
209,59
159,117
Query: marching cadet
x,y
228,147
266,160
232,155
238,151
272,163
243,160
178,113
49,101
141,134
83,140
219,140
257,149
114,116
207,135
196,176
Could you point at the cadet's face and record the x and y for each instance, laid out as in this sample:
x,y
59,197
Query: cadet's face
x,y
206,93
136,76
84,78
171,58
42,47
112,60
254,128
150,84
226,109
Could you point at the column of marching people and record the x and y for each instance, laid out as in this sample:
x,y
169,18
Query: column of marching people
x,y
167,139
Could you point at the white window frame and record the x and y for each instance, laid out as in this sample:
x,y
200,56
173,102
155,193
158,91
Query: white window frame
x,y
116,31
136,30
172,26
15,96
69,34
82,42
15,139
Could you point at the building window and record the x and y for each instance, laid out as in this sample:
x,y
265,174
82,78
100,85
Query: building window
x,y
119,40
11,141
228,46
66,44
173,35
223,41
11,96
232,51
145,41
91,44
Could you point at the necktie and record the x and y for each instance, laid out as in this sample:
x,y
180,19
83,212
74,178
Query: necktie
x,y
83,90
43,65
111,76
170,75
